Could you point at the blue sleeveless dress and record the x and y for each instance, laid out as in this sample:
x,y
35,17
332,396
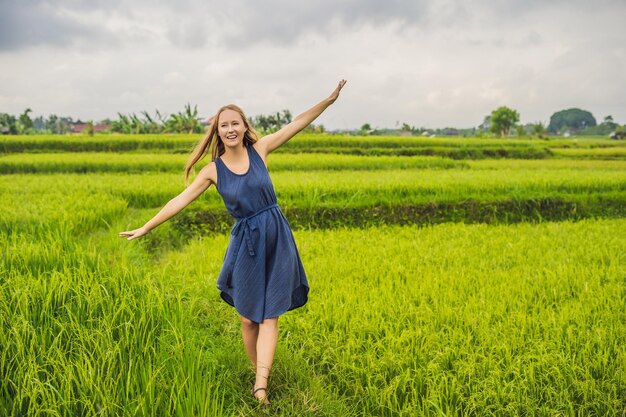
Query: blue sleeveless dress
x,y
262,275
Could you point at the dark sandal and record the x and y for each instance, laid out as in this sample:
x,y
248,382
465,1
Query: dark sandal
x,y
263,404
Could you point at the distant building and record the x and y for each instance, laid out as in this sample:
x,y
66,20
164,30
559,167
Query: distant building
x,y
79,127
448,131
204,121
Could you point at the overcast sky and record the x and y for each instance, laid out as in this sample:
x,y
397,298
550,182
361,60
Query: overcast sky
x,y
424,62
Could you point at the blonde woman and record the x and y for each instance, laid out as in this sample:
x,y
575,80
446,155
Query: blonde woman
x,y
262,276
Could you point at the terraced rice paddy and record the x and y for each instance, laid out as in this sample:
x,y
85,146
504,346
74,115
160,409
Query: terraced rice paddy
x,y
448,277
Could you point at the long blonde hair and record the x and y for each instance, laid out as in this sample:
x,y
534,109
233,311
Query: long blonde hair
x,y
211,142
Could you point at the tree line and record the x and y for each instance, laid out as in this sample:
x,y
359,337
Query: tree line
x,y
186,121
569,121
502,121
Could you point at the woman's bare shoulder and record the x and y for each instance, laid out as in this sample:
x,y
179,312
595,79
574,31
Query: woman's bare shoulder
x,y
209,172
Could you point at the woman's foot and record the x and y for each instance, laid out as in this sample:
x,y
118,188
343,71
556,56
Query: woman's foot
x,y
261,395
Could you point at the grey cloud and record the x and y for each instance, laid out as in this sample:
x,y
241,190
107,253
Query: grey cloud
x,y
242,23
30,23
428,62
281,22
194,23
192,35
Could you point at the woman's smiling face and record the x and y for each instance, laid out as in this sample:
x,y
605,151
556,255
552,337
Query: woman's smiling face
x,y
231,128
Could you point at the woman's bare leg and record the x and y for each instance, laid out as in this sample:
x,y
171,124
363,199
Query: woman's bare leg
x,y
265,349
250,333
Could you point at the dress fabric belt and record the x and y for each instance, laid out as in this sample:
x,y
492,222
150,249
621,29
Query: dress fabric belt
x,y
243,230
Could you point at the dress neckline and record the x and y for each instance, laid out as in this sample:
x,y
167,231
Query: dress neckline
x,y
249,164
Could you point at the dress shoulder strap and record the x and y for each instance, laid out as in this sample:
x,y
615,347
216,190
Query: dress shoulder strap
x,y
218,162
255,155
252,150
221,173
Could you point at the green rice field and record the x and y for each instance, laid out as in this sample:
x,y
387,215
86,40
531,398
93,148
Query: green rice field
x,y
449,277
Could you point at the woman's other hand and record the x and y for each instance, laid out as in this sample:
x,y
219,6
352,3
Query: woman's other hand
x,y
335,94
132,234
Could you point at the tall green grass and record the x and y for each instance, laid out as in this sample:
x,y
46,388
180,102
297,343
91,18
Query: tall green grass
x,y
613,152
488,192
450,319
456,148
86,332
87,162
99,143
344,188
457,319
453,319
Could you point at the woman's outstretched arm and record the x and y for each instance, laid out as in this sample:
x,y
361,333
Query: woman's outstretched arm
x,y
272,141
205,178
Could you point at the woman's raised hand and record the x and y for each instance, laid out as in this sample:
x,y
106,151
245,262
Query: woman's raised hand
x,y
335,94
133,234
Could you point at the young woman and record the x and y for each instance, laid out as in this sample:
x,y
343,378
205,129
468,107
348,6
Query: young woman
x,y
262,275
